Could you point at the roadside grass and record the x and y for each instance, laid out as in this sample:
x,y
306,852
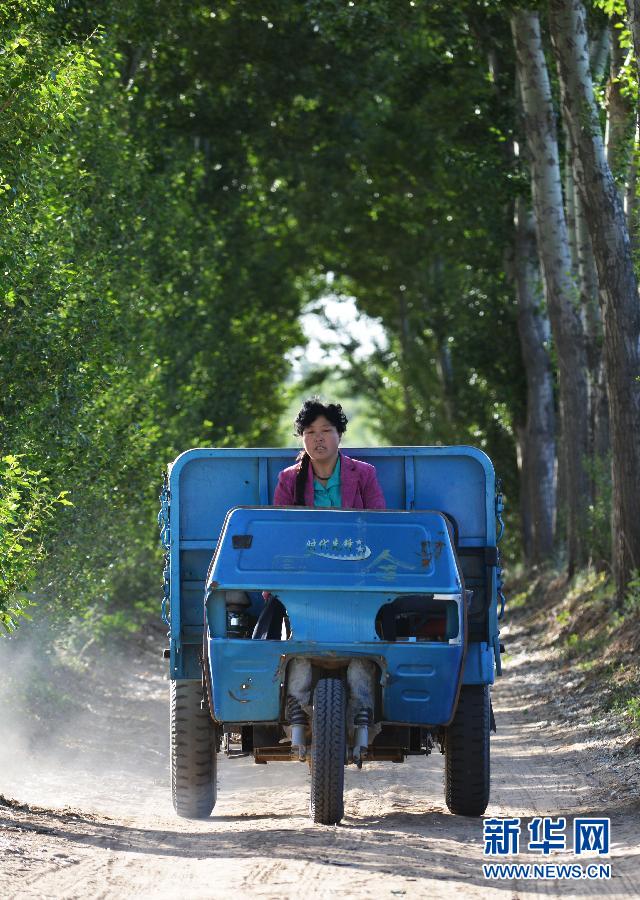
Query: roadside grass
x,y
601,641
591,636
519,600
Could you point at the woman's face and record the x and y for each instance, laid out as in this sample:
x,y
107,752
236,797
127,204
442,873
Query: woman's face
x,y
321,440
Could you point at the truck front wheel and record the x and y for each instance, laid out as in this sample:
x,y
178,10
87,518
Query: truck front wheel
x,y
193,752
328,751
466,753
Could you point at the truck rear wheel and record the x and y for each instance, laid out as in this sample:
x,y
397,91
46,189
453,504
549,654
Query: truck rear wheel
x,y
466,753
193,752
328,751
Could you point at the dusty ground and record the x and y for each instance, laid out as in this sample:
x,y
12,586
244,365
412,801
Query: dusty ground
x,y
86,809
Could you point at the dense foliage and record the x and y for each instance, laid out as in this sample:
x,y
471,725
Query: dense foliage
x,y
144,311
178,181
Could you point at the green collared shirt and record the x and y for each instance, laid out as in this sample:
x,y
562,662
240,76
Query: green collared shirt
x,y
329,495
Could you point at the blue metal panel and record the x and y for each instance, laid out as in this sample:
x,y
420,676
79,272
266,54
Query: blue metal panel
x,y
263,481
494,631
478,664
409,483
208,491
185,662
245,679
422,685
347,550
460,487
419,681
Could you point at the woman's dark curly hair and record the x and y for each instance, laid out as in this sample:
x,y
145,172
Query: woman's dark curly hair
x,y
313,408
309,412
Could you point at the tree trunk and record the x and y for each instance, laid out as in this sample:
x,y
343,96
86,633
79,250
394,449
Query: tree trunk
x,y
526,525
538,440
404,332
631,204
570,205
633,11
588,278
618,287
599,52
631,198
555,259
620,134
444,368
619,130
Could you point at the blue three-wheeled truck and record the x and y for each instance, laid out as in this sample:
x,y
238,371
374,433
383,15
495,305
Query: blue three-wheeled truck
x,y
390,641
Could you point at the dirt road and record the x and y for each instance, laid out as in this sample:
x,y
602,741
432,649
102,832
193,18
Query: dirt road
x,y
87,810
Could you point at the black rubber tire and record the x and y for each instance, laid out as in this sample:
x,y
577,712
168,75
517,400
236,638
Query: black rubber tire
x,y
466,753
193,752
328,751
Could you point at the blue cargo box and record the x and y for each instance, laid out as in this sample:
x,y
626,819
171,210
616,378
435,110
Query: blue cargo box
x,y
204,484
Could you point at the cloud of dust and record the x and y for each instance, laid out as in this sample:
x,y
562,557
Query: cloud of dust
x,y
84,728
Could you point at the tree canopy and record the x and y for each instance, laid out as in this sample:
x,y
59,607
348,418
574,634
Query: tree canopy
x,y
180,180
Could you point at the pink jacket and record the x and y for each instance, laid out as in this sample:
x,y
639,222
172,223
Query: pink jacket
x,y
359,487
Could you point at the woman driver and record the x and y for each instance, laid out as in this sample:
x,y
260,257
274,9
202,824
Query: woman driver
x,y
322,477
